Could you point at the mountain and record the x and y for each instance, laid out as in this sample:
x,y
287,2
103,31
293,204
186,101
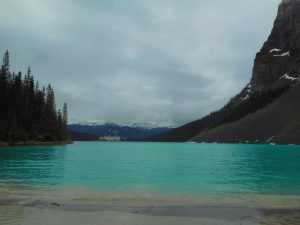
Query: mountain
x,y
267,110
129,131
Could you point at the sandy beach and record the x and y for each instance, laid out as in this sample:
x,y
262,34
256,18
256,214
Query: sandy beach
x,y
18,211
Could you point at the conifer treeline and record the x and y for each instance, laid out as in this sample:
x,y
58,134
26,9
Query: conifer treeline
x,y
28,112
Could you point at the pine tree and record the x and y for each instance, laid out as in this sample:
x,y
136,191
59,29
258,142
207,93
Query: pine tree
x,y
50,115
65,114
28,113
5,65
4,75
60,126
29,105
65,122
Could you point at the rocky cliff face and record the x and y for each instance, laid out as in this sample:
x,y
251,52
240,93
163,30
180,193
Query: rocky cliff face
x,y
279,57
267,110
276,65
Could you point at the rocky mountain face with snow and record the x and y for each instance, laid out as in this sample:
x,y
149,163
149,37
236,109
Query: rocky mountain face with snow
x,y
267,110
279,57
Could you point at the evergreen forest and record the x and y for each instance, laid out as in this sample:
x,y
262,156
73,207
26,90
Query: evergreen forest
x,y
28,112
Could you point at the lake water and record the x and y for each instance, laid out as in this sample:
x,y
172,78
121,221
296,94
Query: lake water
x,y
196,169
85,174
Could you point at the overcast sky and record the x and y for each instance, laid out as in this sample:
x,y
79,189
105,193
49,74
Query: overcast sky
x,y
162,61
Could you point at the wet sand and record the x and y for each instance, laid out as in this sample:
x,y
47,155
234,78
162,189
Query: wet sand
x,y
18,211
76,206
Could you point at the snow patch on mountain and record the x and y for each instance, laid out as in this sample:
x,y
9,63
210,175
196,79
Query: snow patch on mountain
x,y
275,50
145,125
283,54
287,77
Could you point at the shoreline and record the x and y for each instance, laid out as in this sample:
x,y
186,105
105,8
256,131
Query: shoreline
x,y
76,206
35,143
116,213
41,143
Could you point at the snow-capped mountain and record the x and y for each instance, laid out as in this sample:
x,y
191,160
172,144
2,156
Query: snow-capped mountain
x,y
129,131
149,125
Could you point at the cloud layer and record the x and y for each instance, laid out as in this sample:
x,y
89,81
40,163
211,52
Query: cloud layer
x,y
168,61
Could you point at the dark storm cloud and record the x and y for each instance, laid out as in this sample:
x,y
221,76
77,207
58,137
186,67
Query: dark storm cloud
x,y
168,61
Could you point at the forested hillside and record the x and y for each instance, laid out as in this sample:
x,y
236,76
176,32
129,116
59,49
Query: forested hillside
x,y
28,112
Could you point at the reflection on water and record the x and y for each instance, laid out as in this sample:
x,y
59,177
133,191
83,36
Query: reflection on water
x,y
29,165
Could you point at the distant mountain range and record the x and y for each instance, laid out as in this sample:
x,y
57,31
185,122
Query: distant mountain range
x,y
267,110
129,131
78,136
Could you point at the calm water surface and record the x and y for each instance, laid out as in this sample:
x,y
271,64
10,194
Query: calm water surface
x,y
155,167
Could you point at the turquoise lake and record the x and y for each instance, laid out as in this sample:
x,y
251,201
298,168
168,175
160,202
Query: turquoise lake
x,y
155,167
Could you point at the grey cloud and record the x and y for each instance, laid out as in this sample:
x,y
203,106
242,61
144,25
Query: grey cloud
x,y
168,61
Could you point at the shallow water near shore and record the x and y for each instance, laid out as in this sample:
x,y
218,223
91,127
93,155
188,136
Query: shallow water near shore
x,y
89,177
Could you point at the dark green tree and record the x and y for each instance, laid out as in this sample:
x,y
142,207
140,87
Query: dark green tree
x,y
65,122
5,65
4,82
28,113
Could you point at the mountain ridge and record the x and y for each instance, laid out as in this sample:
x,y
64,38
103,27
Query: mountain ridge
x,y
131,132
128,124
